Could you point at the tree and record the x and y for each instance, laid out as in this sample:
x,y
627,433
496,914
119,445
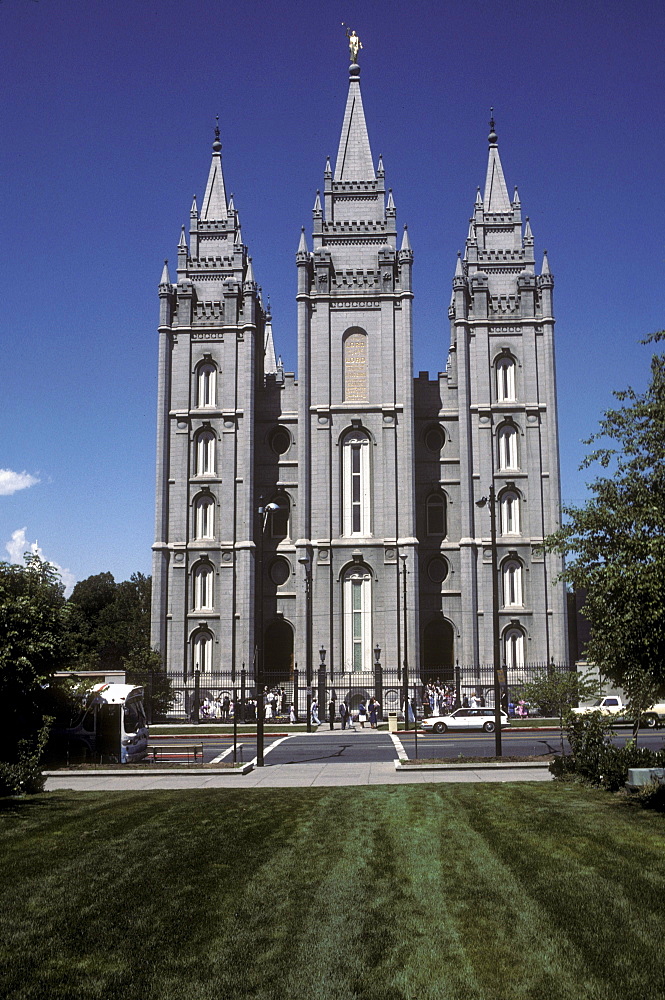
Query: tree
x,y
556,691
114,633
615,543
35,640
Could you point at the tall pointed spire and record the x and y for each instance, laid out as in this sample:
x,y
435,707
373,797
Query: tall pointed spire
x,y
214,200
496,193
302,246
354,157
269,360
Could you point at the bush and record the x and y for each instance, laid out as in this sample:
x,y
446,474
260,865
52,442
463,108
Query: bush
x,y
652,796
563,767
594,758
25,775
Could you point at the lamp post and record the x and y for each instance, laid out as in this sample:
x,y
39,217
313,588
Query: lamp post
x,y
405,672
378,680
322,679
496,644
306,561
263,511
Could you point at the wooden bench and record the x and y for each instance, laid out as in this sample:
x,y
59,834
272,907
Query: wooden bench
x,y
193,749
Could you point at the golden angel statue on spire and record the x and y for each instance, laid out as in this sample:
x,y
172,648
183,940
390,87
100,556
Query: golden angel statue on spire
x,y
354,43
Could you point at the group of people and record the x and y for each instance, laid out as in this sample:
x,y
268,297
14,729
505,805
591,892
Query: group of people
x,y
368,711
222,708
441,699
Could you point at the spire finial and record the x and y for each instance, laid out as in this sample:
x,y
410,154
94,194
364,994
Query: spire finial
x,y
216,146
492,138
354,44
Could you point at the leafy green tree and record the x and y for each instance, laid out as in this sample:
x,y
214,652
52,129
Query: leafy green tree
x,y
615,543
114,633
555,692
35,641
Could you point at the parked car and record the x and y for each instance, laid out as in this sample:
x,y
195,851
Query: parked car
x,y
613,705
465,718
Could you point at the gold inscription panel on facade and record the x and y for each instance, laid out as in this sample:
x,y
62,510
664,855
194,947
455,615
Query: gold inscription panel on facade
x,y
355,368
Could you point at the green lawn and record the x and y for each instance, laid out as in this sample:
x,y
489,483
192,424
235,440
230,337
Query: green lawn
x,y
430,892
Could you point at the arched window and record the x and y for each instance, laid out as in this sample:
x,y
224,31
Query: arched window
x,y
205,454
510,513
204,517
512,584
436,514
507,442
358,620
203,587
206,385
513,644
356,484
202,645
505,379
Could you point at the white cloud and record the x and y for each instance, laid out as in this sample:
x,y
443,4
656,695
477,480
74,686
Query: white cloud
x,y
12,482
18,545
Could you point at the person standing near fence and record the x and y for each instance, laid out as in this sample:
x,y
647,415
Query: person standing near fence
x,y
331,713
343,714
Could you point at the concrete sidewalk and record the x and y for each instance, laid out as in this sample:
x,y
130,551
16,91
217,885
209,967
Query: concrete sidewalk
x,y
285,776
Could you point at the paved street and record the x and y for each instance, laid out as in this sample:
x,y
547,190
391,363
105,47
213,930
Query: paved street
x,y
357,746
324,758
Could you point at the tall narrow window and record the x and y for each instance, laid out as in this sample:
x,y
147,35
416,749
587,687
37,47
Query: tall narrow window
x,y
204,519
512,584
205,454
207,385
436,514
279,519
510,513
513,641
505,380
203,588
357,620
202,652
507,442
356,493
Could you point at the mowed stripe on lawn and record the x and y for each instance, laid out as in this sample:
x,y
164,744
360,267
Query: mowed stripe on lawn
x,y
476,892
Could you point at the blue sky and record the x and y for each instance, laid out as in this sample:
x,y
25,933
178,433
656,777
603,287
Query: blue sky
x,y
107,122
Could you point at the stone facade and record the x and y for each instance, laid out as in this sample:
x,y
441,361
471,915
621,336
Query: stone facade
x,y
351,492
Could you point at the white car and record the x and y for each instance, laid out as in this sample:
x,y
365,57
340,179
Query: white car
x,y
465,718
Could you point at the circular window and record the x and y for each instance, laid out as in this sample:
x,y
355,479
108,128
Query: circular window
x,y
437,569
280,440
434,439
279,571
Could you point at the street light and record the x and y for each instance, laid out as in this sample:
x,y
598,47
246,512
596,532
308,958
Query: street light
x,y
263,511
405,672
484,501
306,561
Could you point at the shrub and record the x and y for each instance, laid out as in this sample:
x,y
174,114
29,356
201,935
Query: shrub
x,y
595,759
652,796
563,767
25,775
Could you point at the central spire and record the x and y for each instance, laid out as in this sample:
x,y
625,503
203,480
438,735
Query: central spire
x,y
496,193
214,199
354,157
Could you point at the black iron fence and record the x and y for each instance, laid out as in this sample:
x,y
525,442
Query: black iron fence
x,y
216,696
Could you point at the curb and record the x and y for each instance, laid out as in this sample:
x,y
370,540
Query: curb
x,y
527,765
190,769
